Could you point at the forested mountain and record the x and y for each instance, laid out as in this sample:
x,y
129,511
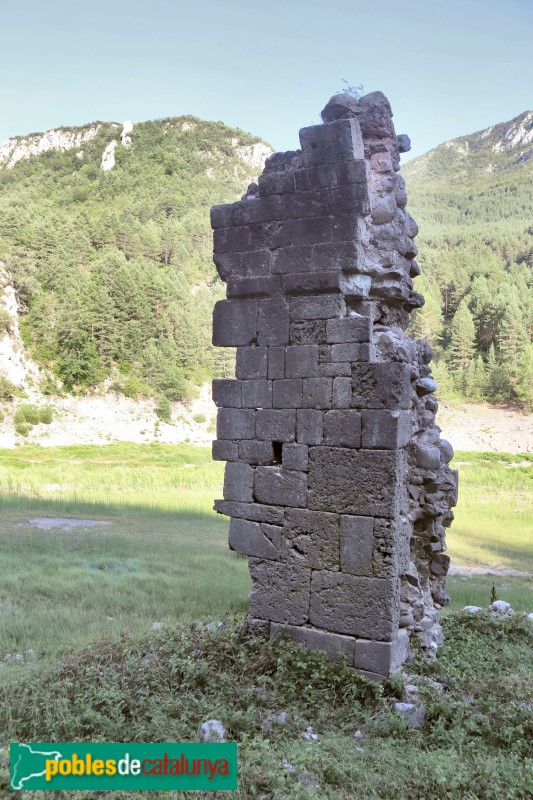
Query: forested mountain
x,y
105,232
473,200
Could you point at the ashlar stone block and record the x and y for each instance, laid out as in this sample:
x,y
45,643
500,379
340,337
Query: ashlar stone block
x,y
355,606
357,544
235,423
336,647
384,658
224,450
255,452
251,362
227,393
317,392
377,491
256,394
276,362
248,538
316,307
273,322
234,323
280,592
276,425
295,456
238,482
288,393
329,144
342,428
342,392
349,330
309,426
381,385
311,539
385,430
280,487
301,361
252,511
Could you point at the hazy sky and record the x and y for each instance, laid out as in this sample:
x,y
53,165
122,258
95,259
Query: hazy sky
x,y
449,68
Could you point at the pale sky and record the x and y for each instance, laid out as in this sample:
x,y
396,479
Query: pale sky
x,y
448,68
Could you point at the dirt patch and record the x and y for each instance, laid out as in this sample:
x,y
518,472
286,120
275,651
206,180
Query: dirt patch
x,y
480,426
483,569
64,524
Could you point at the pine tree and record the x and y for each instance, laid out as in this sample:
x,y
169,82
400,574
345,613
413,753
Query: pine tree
x,y
524,385
512,337
462,338
497,384
427,322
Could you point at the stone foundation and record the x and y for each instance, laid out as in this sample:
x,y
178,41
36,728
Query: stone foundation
x,y
337,482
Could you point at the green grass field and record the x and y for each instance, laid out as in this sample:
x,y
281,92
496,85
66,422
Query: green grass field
x,y
85,602
164,555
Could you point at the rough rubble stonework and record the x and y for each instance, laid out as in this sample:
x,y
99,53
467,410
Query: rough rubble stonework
x,y
337,482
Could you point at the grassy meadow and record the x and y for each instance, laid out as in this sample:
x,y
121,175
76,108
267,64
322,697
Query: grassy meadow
x,y
163,555
115,619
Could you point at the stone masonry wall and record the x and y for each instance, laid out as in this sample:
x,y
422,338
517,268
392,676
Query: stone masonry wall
x,y
336,480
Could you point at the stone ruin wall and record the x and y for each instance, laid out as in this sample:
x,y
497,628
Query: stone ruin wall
x,y
337,482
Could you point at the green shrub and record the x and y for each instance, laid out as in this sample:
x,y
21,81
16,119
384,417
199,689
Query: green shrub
x,y
163,409
199,418
8,390
27,412
22,428
6,323
46,414
2,416
135,387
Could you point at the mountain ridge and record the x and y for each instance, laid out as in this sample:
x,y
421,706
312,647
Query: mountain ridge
x,y
471,153
105,231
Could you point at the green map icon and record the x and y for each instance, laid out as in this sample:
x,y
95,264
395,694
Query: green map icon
x,y
29,763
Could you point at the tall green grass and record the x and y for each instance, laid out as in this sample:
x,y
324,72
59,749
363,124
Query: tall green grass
x,y
164,555
494,517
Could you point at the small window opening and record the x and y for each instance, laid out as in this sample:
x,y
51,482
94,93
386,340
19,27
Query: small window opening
x,y
277,447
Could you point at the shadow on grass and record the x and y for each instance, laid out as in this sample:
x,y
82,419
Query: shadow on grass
x,y
83,508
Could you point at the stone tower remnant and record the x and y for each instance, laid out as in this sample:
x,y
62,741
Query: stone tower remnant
x,y
337,482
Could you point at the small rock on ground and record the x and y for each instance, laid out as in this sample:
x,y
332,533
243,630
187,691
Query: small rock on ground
x,y
414,715
212,731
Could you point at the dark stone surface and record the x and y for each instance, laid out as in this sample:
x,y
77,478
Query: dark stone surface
x,y
251,362
329,144
248,538
353,605
280,591
227,393
256,394
336,647
235,423
309,426
376,492
280,487
342,428
357,544
384,385
311,539
386,430
276,425
234,322
238,482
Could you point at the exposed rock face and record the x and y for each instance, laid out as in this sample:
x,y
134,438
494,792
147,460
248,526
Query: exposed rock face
x,y
18,148
337,482
108,156
14,363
